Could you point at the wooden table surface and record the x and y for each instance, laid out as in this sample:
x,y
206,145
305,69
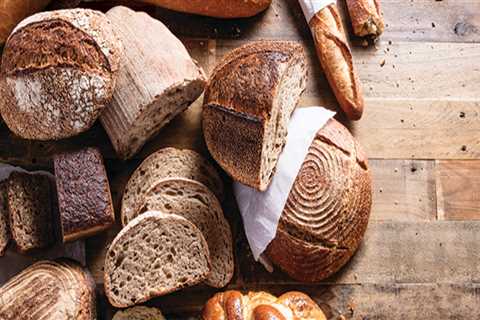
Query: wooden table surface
x,y
420,258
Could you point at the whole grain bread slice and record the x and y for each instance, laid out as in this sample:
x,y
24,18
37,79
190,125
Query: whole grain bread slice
x,y
155,254
139,313
166,163
4,219
195,202
30,209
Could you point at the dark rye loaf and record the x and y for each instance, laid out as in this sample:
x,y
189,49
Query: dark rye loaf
x,y
84,198
4,219
248,102
58,72
327,210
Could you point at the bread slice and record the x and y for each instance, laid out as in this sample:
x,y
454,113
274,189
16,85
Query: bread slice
x,y
157,81
139,313
60,290
248,102
193,201
30,207
155,254
4,219
166,163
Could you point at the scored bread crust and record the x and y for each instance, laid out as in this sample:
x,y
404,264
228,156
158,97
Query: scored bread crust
x,y
327,210
135,227
58,72
190,165
240,106
366,17
59,289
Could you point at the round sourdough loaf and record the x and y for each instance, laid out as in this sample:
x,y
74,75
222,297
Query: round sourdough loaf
x,y
327,210
58,72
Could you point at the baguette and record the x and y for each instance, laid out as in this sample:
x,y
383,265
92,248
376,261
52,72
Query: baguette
x,y
337,61
366,18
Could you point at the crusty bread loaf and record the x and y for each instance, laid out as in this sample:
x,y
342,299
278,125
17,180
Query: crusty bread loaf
x,y
337,62
249,99
157,81
327,210
30,208
84,198
12,11
4,219
167,163
193,201
232,305
366,17
58,72
59,290
155,254
139,313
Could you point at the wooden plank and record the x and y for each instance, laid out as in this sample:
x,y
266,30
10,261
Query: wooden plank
x,y
458,190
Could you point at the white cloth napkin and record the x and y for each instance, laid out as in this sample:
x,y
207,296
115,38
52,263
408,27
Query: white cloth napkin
x,y
261,210
311,7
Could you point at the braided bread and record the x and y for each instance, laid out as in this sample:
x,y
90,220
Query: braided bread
x,y
233,305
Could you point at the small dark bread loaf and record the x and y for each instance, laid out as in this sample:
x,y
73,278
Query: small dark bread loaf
x,y
327,210
84,198
4,219
58,72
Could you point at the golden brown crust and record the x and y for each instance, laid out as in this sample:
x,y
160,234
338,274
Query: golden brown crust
x,y
215,8
327,210
366,17
232,305
337,61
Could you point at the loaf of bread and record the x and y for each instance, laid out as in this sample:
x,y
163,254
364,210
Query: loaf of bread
x,y
30,207
327,210
13,11
139,313
155,254
59,290
366,18
157,81
336,59
193,201
233,305
4,219
167,163
58,72
249,99
84,198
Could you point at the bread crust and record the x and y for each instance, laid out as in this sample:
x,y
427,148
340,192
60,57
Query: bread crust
x,y
337,62
366,18
327,210
4,219
215,8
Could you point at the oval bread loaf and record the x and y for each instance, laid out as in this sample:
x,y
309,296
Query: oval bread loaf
x,y
327,210
248,102
58,73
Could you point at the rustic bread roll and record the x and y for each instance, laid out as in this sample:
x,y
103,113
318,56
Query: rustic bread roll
x,y
59,290
232,305
249,99
84,198
193,201
139,313
58,72
4,220
327,210
158,80
366,17
155,254
30,208
167,163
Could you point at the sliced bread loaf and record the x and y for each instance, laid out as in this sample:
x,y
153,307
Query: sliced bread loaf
x,y
155,254
193,201
4,219
166,163
139,313
30,208
248,102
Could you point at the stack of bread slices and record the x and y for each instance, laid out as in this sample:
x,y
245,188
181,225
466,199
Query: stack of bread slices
x,y
175,234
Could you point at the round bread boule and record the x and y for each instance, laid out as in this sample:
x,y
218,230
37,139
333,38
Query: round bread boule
x,y
327,210
58,72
